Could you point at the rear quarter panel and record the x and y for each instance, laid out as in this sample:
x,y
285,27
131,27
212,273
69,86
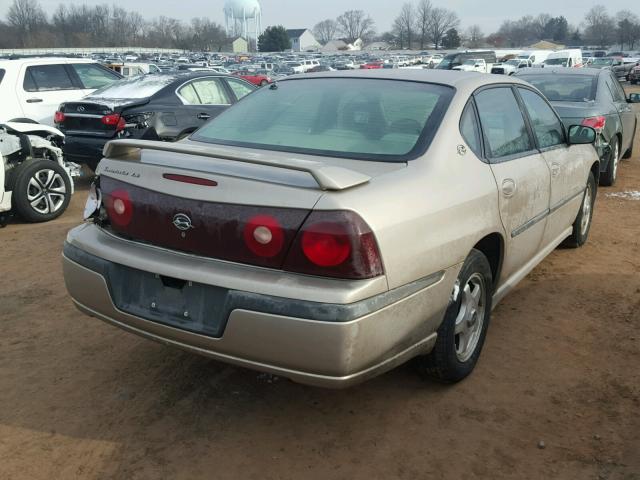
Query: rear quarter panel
x,y
427,217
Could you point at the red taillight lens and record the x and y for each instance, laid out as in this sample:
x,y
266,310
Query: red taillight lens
x,y
264,236
119,207
597,123
335,244
58,117
114,120
326,244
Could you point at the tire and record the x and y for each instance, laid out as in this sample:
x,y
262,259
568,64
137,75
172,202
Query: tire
x,y
608,177
582,225
263,83
629,153
42,180
453,358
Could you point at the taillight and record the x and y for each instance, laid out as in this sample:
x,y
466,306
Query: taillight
x,y
335,244
119,207
264,236
114,120
58,117
597,123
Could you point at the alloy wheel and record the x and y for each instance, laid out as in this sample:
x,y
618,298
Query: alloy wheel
x,y
46,192
470,319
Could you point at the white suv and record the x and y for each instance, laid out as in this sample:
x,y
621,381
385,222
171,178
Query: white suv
x,y
32,88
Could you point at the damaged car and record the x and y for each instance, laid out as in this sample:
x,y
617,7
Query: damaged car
x,y
35,180
163,106
333,226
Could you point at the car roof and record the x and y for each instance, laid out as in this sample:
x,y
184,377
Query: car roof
x,y
42,60
588,72
452,78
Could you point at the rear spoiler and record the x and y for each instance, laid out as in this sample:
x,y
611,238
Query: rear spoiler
x,y
328,177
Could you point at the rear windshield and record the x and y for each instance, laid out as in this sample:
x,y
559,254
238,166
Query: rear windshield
x,y
136,87
564,88
366,119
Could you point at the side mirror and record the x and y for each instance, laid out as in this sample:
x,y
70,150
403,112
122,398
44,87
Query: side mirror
x,y
581,135
634,98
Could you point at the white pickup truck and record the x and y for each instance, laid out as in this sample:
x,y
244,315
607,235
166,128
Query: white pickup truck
x,y
474,65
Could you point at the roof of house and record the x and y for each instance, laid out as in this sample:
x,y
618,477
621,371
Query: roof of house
x,y
296,32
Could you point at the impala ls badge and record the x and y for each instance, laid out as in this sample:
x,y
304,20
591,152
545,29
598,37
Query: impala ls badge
x,y
182,222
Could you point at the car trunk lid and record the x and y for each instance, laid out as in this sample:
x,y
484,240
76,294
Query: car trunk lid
x,y
95,117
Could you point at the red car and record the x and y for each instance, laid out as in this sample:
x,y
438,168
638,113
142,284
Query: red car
x,y
257,78
371,65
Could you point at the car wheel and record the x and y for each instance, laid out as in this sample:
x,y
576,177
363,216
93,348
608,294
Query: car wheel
x,y
608,178
629,153
462,332
582,225
263,83
42,191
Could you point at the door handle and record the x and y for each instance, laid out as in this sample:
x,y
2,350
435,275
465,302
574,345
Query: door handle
x,y
555,169
508,187
34,100
204,116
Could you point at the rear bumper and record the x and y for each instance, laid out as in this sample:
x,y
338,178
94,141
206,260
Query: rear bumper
x,y
323,344
84,150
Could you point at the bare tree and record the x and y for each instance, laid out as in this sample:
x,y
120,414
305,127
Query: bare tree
x,y
27,17
441,20
423,18
404,24
599,26
325,31
475,36
628,25
355,24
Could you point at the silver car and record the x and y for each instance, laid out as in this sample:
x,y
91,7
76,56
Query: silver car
x,y
331,227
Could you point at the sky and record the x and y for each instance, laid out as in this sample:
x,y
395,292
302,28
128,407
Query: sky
x,y
489,14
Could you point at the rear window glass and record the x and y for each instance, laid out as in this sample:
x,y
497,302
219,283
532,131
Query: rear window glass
x,y
564,88
136,87
355,118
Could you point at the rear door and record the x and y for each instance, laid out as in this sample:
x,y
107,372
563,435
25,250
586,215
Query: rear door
x,y
42,88
521,174
627,115
567,166
203,99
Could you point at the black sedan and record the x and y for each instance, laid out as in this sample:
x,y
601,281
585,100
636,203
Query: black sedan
x,y
164,106
596,99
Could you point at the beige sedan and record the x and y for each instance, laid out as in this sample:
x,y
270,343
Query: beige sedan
x,y
331,227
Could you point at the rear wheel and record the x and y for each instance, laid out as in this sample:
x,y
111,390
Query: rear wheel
x,y
582,225
462,332
608,178
42,191
263,83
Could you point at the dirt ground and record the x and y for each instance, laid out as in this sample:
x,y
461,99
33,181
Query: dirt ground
x,y
556,394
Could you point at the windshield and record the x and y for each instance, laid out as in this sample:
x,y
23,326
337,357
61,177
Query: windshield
x,y
557,61
603,61
341,117
136,87
564,88
447,62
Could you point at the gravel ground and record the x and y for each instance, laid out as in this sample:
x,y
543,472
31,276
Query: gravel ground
x,y
556,394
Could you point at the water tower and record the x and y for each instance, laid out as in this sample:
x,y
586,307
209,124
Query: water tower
x,y
243,18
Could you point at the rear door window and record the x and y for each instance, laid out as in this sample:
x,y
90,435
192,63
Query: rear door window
x,y
502,122
211,92
546,126
93,76
44,78
616,89
470,130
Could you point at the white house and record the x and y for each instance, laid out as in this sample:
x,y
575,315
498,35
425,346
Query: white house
x,y
302,40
